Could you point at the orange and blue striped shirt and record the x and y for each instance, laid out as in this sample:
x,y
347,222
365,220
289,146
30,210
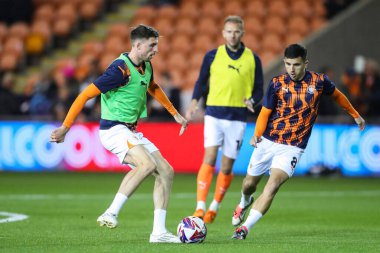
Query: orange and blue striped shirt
x,y
294,106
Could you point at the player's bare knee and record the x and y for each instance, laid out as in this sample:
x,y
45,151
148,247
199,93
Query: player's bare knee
x,y
149,166
250,183
168,171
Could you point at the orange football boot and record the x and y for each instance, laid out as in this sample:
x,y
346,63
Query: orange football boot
x,y
209,216
199,213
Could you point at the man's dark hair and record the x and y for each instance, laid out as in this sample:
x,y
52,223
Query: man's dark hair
x,y
295,51
143,32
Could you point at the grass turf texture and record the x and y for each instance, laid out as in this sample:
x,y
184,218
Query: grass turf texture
x,y
308,215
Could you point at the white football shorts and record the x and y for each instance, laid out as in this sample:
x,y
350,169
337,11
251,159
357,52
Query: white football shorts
x,y
227,134
269,154
119,139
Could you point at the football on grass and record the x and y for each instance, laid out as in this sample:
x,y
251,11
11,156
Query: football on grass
x,y
192,229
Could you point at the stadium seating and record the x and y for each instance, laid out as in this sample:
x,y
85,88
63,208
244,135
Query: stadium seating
x,y
193,27
187,30
53,23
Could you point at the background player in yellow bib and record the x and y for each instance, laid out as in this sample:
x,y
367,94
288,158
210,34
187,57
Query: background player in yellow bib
x,y
123,87
233,76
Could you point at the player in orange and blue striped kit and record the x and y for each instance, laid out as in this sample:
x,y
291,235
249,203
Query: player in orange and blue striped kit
x,y
282,131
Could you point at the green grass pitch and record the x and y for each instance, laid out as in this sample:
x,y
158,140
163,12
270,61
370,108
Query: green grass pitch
x,y
308,215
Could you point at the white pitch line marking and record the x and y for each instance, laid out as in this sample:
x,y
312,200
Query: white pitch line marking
x,y
12,217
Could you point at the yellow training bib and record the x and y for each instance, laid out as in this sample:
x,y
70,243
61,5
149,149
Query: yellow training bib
x,y
231,80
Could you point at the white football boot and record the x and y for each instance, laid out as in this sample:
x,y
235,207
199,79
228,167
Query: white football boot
x,y
239,213
107,219
166,237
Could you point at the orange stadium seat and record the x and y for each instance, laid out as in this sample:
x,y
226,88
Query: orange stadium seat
x,y
62,28
146,12
234,8
266,57
67,12
75,3
92,47
85,58
97,3
118,29
292,38
319,9
89,11
114,44
272,42
159,63
165,27
44,12
185,26
203,43
181,43
254,26
218,41
299,24
137,20
8,62
63,63
167,12
19,29
82,66
275,24
164,46
177,61
178,78
256,9
14,45
212,9
191,77
106,59
189,10
278,8
42,28
253,42
301,7
208,26
196,59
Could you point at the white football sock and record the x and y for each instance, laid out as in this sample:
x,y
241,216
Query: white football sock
x,y
117,204
244,200
201,205
159,222
253,217
214,206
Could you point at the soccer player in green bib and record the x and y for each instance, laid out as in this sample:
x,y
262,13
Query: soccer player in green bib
x,y
123,87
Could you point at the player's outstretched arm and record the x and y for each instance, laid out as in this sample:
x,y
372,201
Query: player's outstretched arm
x,y
156,92
261,125
58,135
343,102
